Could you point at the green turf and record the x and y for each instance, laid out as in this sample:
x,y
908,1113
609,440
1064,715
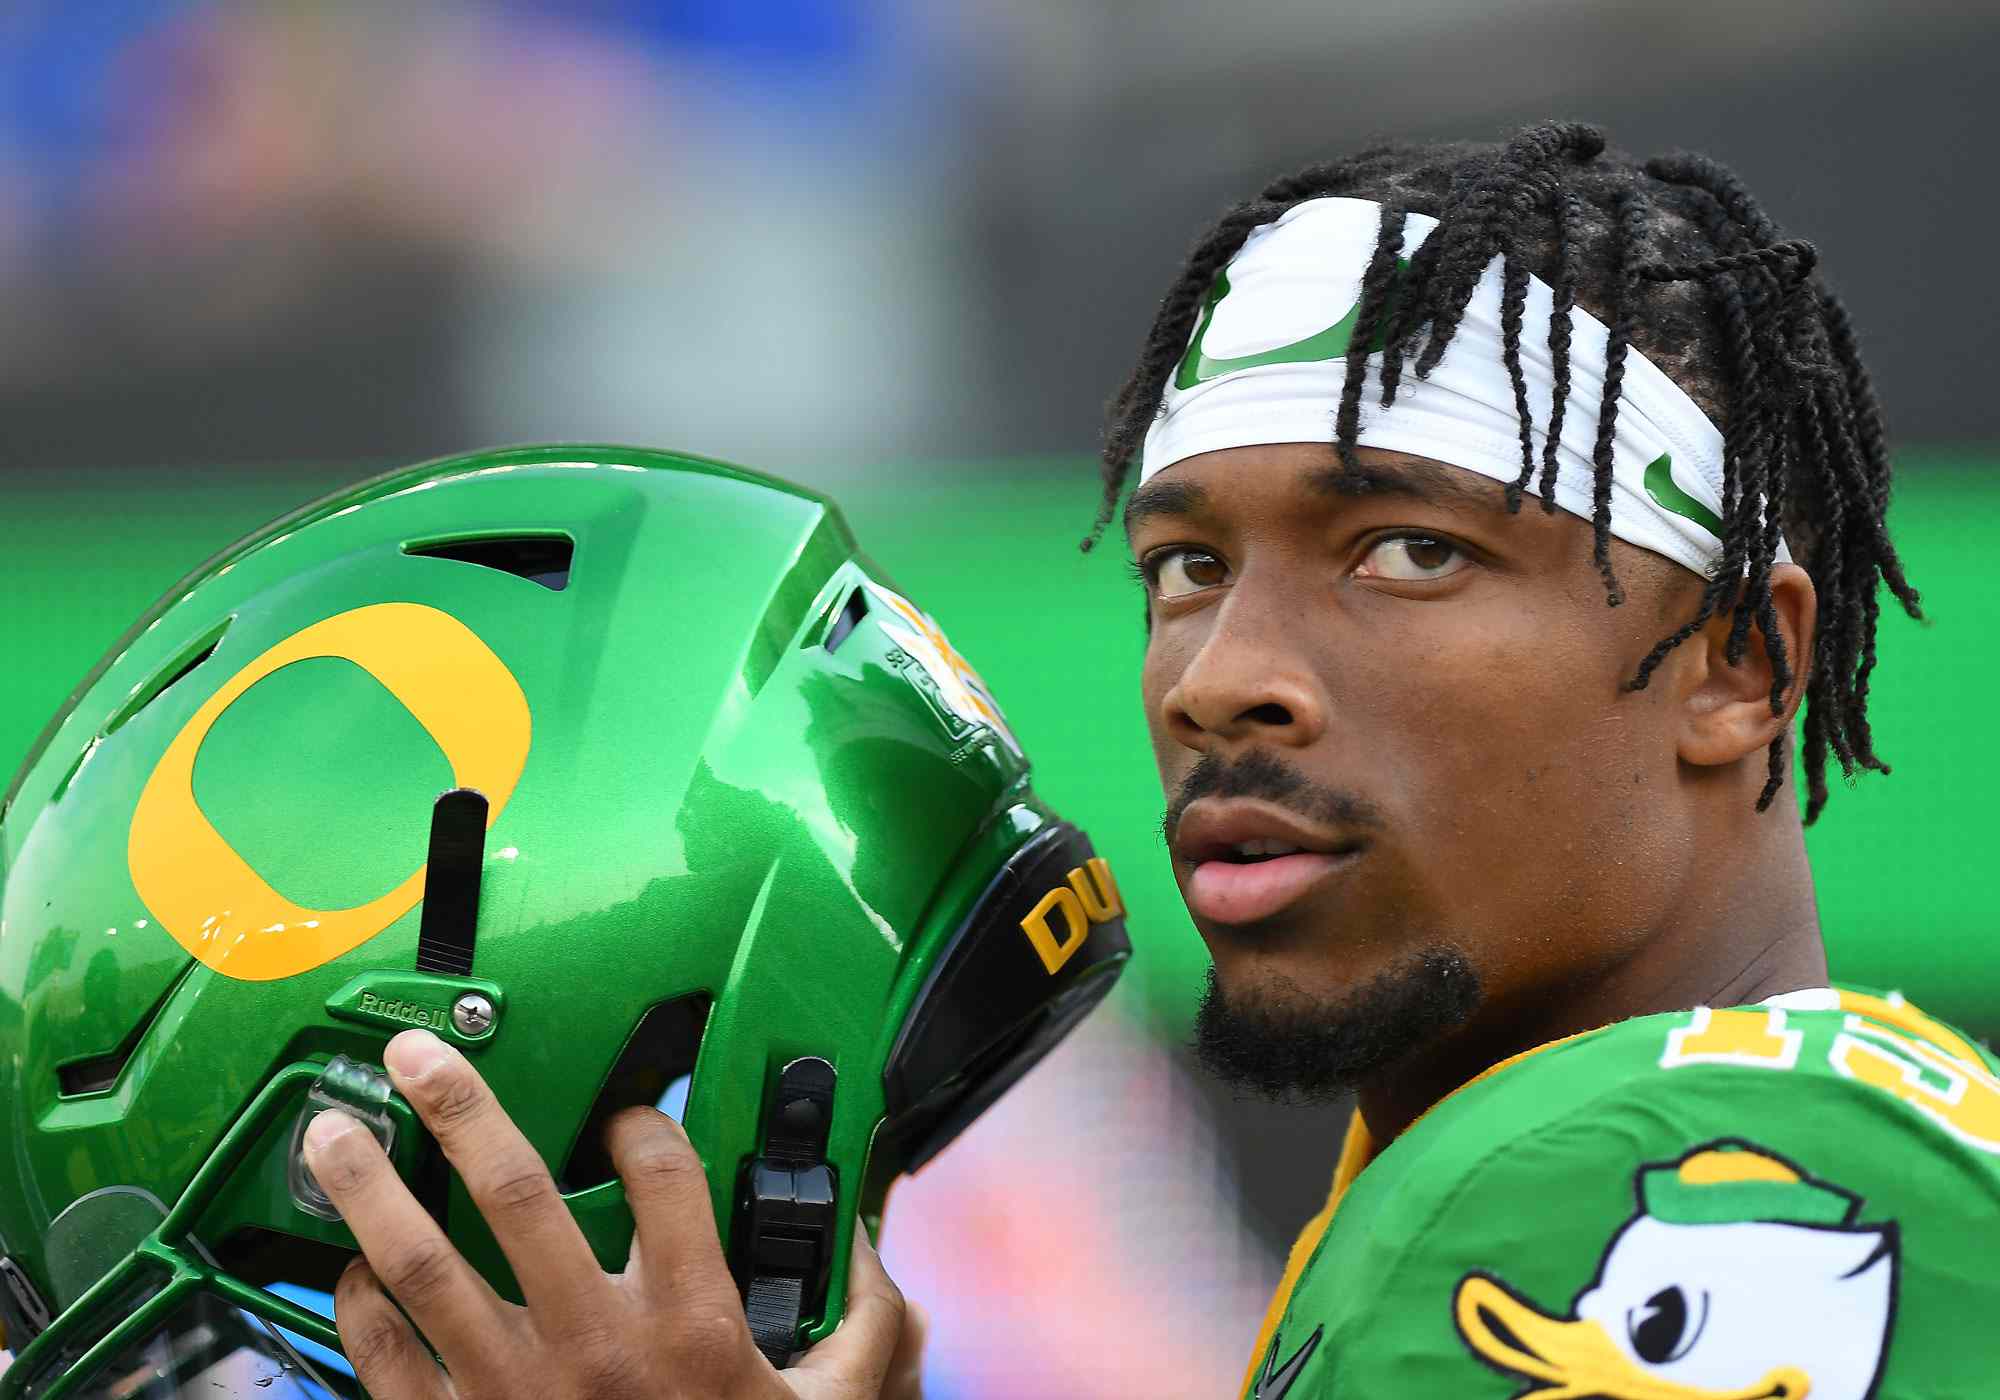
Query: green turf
x,y
1902,862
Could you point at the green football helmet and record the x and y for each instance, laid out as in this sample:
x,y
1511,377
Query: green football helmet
x,y
624,772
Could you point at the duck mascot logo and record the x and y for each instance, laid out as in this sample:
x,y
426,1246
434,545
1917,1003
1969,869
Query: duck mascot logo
x,y
1740,1278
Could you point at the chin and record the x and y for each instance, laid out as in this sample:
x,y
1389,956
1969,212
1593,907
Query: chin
x,y
1263,1031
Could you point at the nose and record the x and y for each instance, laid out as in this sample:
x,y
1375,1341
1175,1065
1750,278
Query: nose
x,y
1247,683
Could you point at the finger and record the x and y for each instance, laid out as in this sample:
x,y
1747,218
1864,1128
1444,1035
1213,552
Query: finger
x,y
855,1359
383,1348
672,1211
404,1246
559,1276
905,1380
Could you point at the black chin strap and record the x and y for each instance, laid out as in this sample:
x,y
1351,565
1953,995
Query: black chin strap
x,y
773,1305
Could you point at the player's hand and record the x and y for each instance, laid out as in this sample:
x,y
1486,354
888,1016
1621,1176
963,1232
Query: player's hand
x,y
671,1324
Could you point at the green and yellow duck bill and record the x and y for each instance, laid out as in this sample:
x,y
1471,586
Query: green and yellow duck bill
x,y
1578,1360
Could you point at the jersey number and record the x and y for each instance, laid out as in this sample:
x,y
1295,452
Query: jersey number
x,y
1959,1096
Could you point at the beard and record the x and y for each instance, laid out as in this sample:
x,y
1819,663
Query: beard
x,y
1279,1041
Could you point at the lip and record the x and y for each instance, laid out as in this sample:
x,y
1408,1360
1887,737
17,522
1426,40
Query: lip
x,y
1211,826
1228,892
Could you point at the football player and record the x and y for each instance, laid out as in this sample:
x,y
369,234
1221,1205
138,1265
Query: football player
x,y
1498,508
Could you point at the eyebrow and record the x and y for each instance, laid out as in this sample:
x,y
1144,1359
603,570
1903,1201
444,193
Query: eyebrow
x,y
1430,482
1164,498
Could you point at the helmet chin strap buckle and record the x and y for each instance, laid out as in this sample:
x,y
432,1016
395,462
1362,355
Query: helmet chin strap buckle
x,y
785,1215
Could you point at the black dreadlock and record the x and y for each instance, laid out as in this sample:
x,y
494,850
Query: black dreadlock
x,y
1677,259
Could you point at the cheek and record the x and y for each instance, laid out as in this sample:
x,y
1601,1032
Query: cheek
x,y
1508,697
1540,786
1166,658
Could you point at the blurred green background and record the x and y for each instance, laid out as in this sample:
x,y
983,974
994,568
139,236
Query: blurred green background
x,y
990,550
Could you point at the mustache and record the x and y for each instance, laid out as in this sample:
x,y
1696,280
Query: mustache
x,y
1260,773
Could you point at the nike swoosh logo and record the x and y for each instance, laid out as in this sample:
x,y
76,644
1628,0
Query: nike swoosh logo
x,y
1198,366
1276,1383
1667,495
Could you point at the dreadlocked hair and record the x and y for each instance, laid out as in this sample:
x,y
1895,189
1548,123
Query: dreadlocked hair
x,y
1681,263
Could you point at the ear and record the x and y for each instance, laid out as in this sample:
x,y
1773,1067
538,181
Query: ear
x,y
1726,710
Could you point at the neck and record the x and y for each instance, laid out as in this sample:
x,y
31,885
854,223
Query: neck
x,y
1727,944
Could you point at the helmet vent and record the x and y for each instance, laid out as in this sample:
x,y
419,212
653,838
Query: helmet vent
x,y
99,1073
847,619
660,1052
170,675
543,559
92,1076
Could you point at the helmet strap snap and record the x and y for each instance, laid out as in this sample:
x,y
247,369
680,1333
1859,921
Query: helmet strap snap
x,y
785,1217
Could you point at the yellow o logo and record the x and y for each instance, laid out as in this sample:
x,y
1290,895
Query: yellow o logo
x,y
207,896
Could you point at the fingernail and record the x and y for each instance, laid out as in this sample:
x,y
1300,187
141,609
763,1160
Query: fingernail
x,y
325,1128
414,1054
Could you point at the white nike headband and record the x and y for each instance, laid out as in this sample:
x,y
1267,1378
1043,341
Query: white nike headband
x,y
1267,362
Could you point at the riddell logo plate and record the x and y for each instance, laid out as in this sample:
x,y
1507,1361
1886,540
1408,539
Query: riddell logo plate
x,y
399,1000
410,1013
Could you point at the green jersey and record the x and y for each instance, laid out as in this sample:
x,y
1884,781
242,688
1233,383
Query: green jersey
x,y
1794,1199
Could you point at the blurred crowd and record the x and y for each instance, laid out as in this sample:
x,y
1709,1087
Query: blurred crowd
x,y
825,235
417,225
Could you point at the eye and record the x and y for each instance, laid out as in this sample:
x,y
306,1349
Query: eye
x,y
1664,1328
1413,559
1179,570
